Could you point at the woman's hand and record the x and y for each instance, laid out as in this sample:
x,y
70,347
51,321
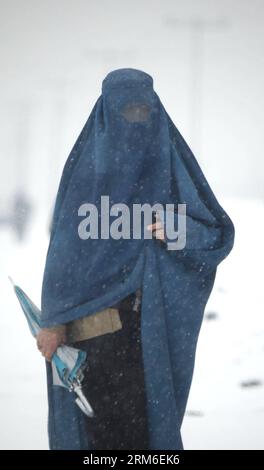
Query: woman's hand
x,y
157,229
48,340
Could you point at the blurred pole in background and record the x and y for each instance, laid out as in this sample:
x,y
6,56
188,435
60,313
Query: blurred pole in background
x,y
22,206
197,28
21,214
17,208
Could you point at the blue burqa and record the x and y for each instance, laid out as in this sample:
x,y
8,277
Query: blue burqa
x,y
130,150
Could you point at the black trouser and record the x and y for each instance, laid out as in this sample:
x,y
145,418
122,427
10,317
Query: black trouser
x,y
114,385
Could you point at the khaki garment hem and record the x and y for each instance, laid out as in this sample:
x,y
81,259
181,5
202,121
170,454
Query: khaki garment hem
x,y
100,323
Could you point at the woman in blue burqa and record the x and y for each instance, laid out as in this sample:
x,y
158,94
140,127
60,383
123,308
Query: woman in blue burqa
x,y
134,301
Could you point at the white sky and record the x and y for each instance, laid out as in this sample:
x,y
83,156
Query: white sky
x,y
54,56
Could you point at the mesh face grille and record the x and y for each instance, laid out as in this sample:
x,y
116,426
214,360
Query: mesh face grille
x,y
136,112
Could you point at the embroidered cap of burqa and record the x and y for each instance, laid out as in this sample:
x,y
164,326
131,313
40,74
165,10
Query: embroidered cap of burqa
x,y
130,150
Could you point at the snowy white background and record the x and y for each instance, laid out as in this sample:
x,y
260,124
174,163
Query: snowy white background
x,y
53,58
